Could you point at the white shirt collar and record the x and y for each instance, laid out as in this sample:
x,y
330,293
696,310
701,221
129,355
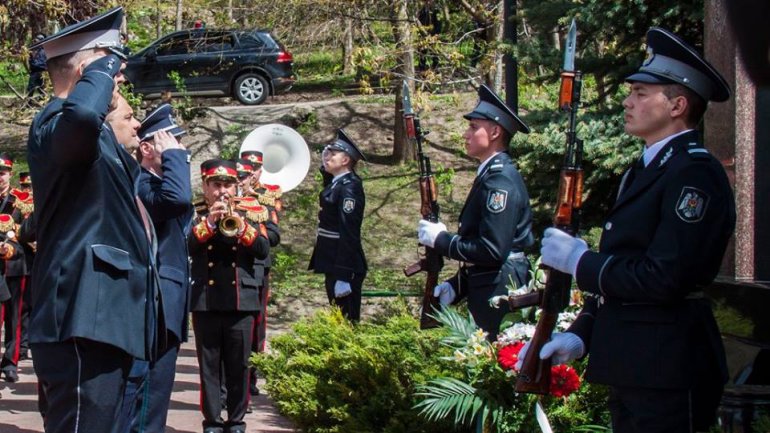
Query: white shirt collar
x,y
652,151
484,164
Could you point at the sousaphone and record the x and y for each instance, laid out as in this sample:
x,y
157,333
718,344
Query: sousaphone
x,y
285,154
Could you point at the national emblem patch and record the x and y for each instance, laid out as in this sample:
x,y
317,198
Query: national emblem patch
x,y
691,205
496,200
348,205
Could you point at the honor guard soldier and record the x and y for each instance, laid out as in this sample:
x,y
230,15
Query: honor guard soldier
x,y
25,206
649,331
338,253
164,188
495,223
95,301
246,173
224,246
268,195
15,270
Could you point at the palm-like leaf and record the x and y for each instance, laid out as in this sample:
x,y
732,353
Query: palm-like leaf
x,y
446,395
460,328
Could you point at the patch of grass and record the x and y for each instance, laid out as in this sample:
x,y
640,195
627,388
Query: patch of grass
x,y
14,74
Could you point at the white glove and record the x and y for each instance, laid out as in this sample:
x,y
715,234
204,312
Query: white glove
x,y
561,251
445,293
342,289
427,232
563,348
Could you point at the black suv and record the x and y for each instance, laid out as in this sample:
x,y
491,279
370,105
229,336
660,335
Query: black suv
x,y
248,65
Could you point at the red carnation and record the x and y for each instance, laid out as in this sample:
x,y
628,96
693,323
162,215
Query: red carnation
x,y
508,355
564,380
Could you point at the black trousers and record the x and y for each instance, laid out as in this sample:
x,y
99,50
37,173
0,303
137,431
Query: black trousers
x,y
351,304
12,310
644,410
83,381
260,328
223,344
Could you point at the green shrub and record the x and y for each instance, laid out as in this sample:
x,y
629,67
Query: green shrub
x,y
329,376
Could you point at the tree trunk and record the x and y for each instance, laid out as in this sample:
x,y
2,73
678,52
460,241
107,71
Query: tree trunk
x,y
159,28
497,80
178,15
230,10
347,47
403,149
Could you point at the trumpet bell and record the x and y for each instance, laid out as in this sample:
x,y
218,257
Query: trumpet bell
x,y
285,154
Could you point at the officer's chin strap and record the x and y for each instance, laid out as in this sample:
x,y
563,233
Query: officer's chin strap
x,y
542,418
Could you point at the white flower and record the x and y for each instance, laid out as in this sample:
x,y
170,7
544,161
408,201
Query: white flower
x,y
478,349
565,320
460,356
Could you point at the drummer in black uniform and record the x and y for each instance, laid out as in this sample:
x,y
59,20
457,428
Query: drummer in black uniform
x,y
495,223
646,323
338,253
225,295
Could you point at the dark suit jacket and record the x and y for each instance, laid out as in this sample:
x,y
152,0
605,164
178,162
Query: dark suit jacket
x,y
663,241
495,221
169,203
338,249
92,276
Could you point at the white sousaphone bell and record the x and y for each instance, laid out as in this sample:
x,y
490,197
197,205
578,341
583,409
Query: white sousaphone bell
x,y
285,154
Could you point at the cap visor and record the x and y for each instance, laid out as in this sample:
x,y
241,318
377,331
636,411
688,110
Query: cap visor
x,y
474,115
177,132
644,77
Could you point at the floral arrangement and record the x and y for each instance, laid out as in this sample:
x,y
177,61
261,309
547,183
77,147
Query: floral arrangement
x,y
486,397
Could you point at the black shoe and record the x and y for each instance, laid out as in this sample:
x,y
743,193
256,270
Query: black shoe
x,y
237,429
213,430
24,354
11,376
253,390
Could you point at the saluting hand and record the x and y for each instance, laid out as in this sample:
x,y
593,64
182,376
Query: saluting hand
x,y
165,141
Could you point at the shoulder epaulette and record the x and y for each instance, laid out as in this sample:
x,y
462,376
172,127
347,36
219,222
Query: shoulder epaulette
x,y
200,206
7,224
257,214
697,151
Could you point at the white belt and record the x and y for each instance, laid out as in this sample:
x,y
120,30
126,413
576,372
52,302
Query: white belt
x,y
327,233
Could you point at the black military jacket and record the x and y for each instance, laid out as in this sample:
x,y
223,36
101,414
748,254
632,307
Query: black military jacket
x,y
223,267
93,274
495,222
662,243
338,249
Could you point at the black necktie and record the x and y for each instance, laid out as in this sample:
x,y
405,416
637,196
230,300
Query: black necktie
x,y
633,173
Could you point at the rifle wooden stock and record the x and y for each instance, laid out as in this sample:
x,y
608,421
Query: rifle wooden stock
x,y
529,300
433,264
535,374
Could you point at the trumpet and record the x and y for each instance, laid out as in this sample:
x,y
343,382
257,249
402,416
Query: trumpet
x,y
231,223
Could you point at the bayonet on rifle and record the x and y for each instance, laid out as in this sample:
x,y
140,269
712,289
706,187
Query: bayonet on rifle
x,y
535,374
431,261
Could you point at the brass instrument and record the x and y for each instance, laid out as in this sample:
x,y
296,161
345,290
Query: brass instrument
x,y
231,223
286,155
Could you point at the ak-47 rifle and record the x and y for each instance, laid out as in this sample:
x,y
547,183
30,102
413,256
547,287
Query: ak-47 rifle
x,y
535,374
431,261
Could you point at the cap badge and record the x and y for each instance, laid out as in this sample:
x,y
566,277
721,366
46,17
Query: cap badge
x,y
649,58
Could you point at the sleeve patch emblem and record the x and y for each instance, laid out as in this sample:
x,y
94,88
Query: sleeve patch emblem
x,y
348,205
691,205
496,200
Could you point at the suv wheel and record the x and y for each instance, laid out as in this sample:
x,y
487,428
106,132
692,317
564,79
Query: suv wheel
x,y
251,89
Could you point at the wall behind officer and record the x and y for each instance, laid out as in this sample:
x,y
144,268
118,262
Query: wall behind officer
x,y
93,304
338,253
164,188
495,223
225,298
646,324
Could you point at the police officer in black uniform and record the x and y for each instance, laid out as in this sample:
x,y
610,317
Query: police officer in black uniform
x,y
225,295
338,253
495,222
649,331
95,297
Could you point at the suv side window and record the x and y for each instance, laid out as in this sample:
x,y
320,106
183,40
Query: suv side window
x,y
215,42
181,44
250,40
